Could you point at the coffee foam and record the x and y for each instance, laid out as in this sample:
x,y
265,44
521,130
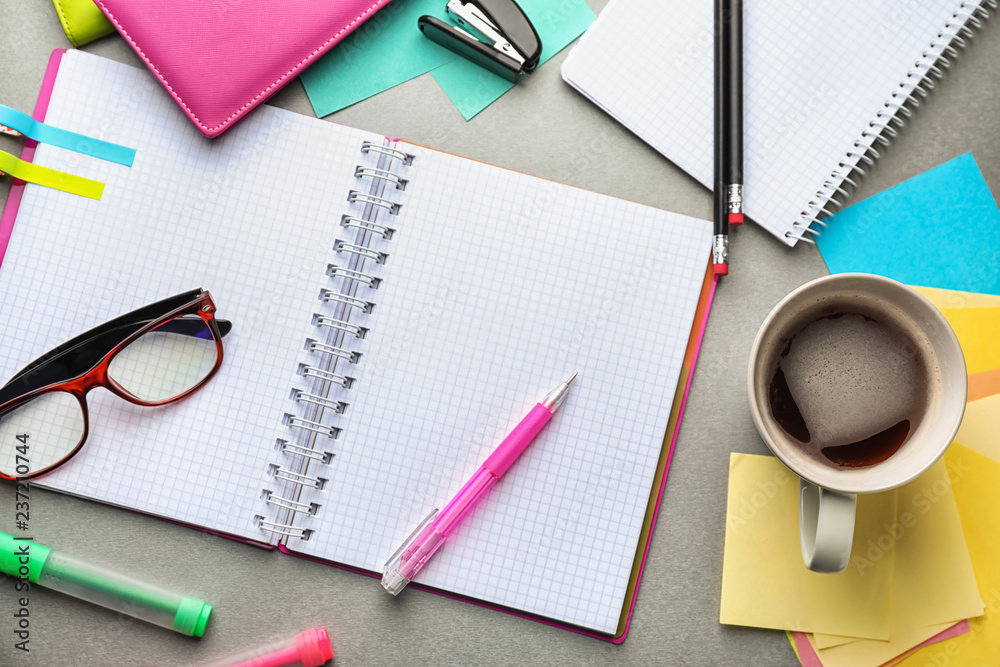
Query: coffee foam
x,y
854,375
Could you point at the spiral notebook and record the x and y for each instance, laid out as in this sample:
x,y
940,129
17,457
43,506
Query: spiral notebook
x,y
396,311
827,83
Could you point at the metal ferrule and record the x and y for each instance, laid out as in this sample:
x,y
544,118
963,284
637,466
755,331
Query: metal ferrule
x,y
720,249
734,199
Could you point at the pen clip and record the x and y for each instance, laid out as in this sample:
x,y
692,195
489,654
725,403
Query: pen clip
x,y
497,35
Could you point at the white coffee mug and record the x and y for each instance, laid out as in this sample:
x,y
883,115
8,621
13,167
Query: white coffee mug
x,y
828,493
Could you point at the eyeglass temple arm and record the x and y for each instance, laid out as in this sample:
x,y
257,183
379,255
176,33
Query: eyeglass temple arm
x,y
194,327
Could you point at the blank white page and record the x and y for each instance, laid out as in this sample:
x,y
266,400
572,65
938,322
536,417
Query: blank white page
x,y
498,286
815,74
250,216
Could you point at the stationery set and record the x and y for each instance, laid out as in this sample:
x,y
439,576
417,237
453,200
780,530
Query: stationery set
x,y
357,321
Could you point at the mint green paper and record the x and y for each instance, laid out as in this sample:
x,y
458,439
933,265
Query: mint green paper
x,y
385,51
472,88
390,49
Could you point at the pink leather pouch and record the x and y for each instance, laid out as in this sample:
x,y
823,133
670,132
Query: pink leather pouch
x,y
219,59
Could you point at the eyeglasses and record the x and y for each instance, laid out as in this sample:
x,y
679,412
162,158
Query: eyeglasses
x,y
152,356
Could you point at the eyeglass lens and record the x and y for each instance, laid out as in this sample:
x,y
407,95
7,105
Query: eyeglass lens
x,y
40,433
162,364
167,361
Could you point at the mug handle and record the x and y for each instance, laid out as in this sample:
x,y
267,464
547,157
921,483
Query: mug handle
x,y
826,527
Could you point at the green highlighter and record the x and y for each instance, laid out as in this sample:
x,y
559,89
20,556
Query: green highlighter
x,y
40,565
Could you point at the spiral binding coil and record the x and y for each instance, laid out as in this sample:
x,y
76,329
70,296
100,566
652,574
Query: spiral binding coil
x,y
365,307
331,357
365,225
883,128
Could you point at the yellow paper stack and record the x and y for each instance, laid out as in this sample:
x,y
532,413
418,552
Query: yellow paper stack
x,y
926,556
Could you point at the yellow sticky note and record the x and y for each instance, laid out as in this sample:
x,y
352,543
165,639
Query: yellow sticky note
x,y
933,586
764,582
946,298
868,653
820,640
980,429
976,482
933,579
976,329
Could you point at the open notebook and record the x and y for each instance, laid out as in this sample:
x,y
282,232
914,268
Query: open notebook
x,y
488,285
826,83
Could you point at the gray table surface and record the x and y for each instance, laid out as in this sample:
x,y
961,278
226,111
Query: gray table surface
x,y
545,128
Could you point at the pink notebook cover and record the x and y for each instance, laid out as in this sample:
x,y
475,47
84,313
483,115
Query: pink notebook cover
x,y
220,59
680,399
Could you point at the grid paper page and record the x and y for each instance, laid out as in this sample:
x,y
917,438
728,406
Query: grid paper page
x,y
250,216
815,74
498,286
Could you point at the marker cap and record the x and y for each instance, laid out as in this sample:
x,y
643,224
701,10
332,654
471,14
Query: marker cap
x,y
192,617
10,557
314,647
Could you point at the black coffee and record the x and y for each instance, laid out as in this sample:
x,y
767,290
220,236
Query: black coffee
x,y
851,385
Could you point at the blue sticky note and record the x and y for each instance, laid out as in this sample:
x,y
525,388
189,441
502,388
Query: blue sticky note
x,y
939,229
472,88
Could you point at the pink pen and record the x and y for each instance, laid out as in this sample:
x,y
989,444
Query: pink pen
x,y
307,649
432,531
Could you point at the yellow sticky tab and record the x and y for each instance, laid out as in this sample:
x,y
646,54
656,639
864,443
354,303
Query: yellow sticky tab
x,y
791,640
764,582
980,429
976,483
977,329
33,173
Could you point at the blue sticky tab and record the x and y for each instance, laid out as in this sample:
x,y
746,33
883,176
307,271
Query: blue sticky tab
x,y
939,229
78,143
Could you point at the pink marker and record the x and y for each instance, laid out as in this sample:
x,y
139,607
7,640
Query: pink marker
x,y
307,649
432,531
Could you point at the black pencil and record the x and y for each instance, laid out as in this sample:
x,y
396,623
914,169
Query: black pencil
x,y
728,179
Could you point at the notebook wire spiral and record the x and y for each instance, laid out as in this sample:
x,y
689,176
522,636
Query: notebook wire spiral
x,y
882,129
323,394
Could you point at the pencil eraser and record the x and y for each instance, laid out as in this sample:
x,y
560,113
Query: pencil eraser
x,y
736,218
721,269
